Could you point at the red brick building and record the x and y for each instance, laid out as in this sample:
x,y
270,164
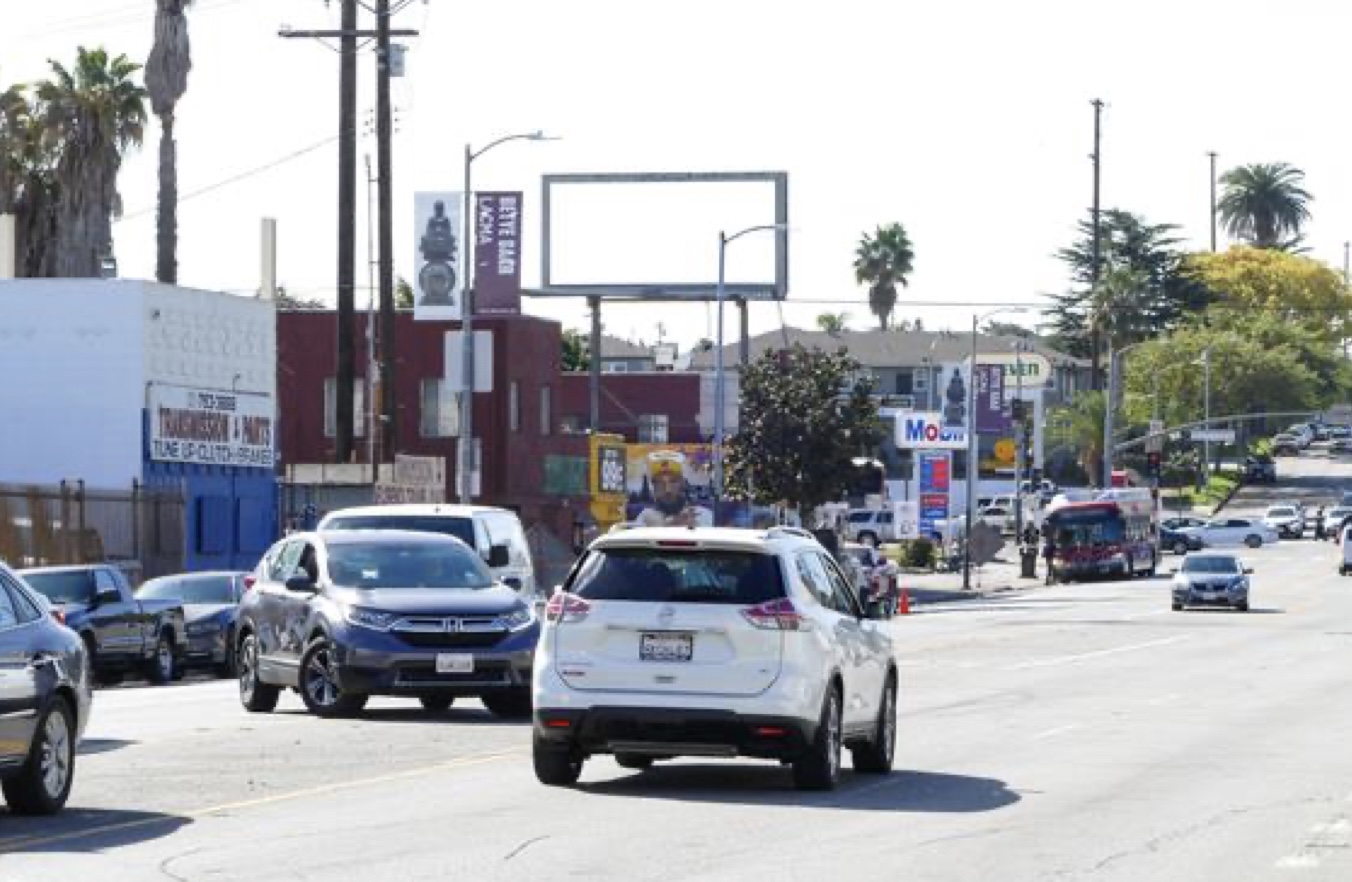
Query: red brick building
x,y
532,426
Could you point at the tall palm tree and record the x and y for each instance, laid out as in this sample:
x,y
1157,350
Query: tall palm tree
x,y
167,71
883,261
1265,204
13,113
91,116
1081,426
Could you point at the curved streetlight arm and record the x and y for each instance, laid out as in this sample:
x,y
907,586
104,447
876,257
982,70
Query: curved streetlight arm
x,y
781,228
537,135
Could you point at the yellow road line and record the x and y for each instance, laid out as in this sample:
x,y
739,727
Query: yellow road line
x,y
12,845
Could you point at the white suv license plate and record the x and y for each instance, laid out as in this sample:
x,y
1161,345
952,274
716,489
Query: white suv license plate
x,y
666,647
455,663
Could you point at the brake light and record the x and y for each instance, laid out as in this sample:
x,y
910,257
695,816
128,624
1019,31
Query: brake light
x,y
558,724
677,543
777,615
565,607
249,581
772,731
59,615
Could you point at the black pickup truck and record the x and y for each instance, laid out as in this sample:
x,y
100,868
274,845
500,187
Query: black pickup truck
x,y
122,634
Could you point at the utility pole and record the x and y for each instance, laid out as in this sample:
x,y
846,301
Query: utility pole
x,y
347,233
385,189
347,35
1212,154
1098,235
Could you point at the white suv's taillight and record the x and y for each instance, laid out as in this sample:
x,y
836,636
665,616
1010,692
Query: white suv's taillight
x,y
564,607
777,615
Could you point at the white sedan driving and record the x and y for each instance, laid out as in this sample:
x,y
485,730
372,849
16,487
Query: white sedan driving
x,y
1233,531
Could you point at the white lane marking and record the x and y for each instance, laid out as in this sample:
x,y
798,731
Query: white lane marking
x,y
1052,733
1298,862
1100,653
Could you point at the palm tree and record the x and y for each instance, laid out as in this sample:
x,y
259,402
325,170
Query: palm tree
x,y
90,116
166,81
883,261
13,113
1080,425
1265,205
1120,308
833,323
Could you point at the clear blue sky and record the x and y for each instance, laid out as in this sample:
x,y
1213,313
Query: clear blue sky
x,y
969,122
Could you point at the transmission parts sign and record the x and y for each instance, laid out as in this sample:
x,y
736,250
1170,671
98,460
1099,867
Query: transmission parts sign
x,y
210,427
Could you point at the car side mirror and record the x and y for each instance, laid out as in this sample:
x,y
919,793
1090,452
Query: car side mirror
x,y
1248,571
301,584
498,557
107,595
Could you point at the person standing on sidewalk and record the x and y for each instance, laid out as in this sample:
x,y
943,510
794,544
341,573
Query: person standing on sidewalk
x,y
1049,552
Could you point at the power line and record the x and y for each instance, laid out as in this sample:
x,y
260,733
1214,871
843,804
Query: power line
x,y
235,179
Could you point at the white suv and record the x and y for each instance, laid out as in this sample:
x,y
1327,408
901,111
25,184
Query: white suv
x,y
670,642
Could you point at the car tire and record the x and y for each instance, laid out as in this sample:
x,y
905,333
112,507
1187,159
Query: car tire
x,y
1242,607
163,666
819,768
875,757
869,539
556,765
318,681
1178,607
227,668
633,761
1181,547
256,696
43,785
436,704
1253,541
513,705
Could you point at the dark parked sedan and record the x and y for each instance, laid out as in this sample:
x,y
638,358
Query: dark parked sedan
x,y
210,603
343,615
45,696
1179,543
1211,580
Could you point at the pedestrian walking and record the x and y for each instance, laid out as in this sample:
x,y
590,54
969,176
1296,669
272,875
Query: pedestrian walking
x,y
1049,552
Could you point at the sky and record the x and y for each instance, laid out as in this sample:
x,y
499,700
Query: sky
x,y
968,122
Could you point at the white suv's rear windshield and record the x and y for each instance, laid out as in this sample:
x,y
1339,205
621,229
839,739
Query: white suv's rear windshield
x,y
661,575
446,525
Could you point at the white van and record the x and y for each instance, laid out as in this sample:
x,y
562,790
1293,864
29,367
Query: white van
x,y
495,533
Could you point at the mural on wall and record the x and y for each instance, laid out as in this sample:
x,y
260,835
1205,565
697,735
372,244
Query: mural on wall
x,y
670,484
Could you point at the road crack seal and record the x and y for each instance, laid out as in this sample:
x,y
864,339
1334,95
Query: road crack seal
x,y
164,864
523,846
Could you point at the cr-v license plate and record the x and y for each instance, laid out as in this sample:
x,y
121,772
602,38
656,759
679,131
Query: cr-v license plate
x,y
455,663
666,647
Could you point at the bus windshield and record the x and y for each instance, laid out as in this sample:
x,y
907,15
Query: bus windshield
x,y
1103,529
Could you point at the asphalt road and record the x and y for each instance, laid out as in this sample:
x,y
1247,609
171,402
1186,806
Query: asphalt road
x,y
1067,733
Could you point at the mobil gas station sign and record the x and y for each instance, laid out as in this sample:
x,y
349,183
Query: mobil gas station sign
x,y
927,431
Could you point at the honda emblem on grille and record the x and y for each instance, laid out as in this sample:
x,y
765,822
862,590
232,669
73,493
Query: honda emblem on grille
x,y
452,625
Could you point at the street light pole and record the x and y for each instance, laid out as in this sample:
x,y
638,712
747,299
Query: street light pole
x,y
724,240
465,451
1206,444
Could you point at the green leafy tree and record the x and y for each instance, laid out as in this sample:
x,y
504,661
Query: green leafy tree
x,y
1265,204
167,71
1248,281
805,414
1079,426
1162,294
833,322
883,261
403,294
576,351
91,116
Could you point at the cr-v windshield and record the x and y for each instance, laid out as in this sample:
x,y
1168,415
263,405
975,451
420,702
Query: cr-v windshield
x,y
661,575
384,564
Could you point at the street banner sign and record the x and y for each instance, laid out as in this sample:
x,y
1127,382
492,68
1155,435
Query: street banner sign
x,y
1215,436
497,254
992,418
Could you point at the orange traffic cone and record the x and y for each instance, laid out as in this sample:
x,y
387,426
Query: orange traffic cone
x,y
904,608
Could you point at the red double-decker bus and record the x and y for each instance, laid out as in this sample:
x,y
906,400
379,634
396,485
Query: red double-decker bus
x,y
1114,535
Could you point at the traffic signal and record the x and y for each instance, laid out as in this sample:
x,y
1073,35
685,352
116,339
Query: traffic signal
x,y
1153,459
1017,410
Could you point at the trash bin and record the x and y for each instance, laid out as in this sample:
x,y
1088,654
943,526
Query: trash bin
x,y
1028,562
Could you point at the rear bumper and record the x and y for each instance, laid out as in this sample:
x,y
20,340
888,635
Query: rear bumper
x,y
649,731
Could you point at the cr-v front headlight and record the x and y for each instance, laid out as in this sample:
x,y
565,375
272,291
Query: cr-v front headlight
x,y
519,619
370,618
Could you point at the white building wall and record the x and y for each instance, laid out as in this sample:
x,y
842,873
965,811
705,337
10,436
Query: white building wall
x,y
209,340
71,385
